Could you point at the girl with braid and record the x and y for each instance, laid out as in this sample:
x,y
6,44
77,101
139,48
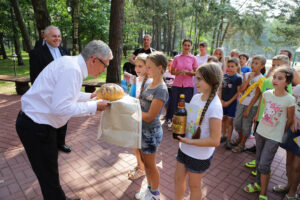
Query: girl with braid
x,y
196,150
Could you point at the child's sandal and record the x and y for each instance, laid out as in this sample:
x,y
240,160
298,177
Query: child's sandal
x,y
264,197
132,171
288,197
280,189
238,149
251,188
251,164
236,142
137,174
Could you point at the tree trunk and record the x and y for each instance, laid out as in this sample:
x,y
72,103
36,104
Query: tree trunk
x,y
213,41
174,36
182,29
158,35
225,32
3,52
141,37
75,4
220,32
19,17
115,40
79,42
165,37
41,14
16,39
75,19
169,38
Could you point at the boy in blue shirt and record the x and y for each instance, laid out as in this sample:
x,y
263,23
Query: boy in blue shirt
x,y
243,62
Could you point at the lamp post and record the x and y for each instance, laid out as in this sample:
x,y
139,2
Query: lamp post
x,y
14,58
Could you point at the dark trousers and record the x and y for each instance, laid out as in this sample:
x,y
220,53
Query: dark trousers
x,y
176,91
61,135
40,143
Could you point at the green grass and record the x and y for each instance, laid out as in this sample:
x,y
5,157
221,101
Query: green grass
x,y
7,68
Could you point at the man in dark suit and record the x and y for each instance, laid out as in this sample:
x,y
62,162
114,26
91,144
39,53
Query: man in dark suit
x,y
40,57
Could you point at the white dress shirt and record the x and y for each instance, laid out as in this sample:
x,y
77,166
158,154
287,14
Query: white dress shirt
x,y
55,96
54,51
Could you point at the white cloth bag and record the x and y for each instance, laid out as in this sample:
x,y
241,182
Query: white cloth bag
x,y
121,123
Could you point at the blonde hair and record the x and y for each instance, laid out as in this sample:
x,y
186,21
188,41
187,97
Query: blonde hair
x,y
159,59
283,58
222,59
141,57
212,75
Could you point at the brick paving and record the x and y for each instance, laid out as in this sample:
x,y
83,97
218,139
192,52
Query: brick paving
x,y
96,170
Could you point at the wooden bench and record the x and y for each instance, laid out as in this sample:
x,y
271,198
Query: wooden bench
x,y
22,83
91,86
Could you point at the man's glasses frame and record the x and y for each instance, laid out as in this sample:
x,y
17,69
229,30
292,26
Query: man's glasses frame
x,y
105,65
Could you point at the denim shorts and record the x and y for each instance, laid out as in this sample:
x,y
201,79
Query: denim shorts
x,y
230,110
191,164
151,139
288,142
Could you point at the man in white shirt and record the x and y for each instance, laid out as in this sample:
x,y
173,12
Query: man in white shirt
x,y
52,100
40,57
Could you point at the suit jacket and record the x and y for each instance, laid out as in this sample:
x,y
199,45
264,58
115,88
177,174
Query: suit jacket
x,y
39,58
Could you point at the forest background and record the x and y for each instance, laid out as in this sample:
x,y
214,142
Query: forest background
x,y
252,26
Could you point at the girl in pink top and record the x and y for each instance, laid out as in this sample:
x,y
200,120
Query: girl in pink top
x,y
183,67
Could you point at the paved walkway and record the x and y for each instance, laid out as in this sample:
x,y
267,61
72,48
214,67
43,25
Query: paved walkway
x,y
97,170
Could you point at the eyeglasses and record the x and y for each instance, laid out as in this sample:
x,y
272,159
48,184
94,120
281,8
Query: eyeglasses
x,y
105,65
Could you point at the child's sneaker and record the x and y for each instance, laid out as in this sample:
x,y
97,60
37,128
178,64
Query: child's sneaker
x,y
150,196
228,145
169,122
251,164
254,173
223,139
142,193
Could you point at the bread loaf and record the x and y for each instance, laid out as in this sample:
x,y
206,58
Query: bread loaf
x,y
110,92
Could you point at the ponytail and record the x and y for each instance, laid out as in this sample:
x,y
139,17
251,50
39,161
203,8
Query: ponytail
x,y
143,85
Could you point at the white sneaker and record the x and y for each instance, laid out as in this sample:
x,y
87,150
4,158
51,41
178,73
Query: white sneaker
x,y
142,193
169,125
150,196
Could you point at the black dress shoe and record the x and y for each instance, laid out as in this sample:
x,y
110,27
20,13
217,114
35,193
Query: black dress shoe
x,y
65,148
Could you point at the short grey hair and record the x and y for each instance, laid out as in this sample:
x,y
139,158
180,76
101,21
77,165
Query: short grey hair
x,y
148,35
48,28
283,58
96,48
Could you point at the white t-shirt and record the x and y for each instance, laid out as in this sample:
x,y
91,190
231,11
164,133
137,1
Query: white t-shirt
x,y
220,64
296,92
250,96
214,110
139,85
201,59
273,121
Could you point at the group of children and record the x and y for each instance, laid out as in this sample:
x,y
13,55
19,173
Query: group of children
x,y
230,95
